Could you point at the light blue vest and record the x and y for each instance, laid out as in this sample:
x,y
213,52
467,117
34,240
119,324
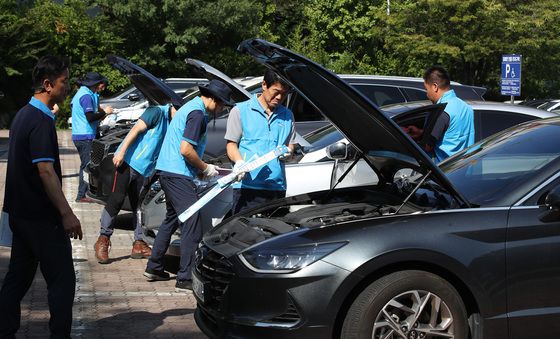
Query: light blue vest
x,y
460,133
81,128
261,135
143,153
170,159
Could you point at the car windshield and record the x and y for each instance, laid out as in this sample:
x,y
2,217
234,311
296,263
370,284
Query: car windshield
x,y
487,173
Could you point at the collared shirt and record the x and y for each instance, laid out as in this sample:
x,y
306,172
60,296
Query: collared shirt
x,y
33,139
256,133
188,124
460,133
85,100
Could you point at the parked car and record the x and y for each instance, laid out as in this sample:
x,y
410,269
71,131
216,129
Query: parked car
x,y
468,249
312,169
551,106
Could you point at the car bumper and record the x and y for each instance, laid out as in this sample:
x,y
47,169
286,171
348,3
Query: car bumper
x,y
304,304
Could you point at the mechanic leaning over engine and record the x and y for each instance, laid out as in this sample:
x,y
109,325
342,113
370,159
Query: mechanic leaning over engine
x,y
135,162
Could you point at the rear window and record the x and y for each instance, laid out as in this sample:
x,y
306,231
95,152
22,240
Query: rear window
x,y
494,121
381,95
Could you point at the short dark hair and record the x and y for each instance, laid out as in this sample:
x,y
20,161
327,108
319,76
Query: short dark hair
x,y
437,74
48,67
270,78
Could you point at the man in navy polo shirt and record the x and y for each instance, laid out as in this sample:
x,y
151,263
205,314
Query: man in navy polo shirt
x,y
40,218
135,162
255,127
86,114
178,164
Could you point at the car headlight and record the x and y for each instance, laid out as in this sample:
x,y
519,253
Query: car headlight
x,y
286,260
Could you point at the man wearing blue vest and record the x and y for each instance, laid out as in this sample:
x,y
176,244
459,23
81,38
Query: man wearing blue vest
x,y
86,114
254,128
454,130
178,164
135,162
40,218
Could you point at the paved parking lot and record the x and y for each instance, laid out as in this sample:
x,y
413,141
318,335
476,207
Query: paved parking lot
x,y
114,300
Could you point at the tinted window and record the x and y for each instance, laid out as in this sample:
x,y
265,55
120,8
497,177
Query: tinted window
x,y
303,111
492,170
466,93
492,121
381,95
414,94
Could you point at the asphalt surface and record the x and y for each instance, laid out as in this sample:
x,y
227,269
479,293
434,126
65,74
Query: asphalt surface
x,y
113,300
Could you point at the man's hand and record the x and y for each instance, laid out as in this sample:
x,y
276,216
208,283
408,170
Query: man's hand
x,y
72,226
107,109
414,132
285,156
240,175
209,172
118,160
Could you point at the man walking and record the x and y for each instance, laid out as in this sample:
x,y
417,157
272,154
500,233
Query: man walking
x,y
134,161
178,164
255,127
454,130
40,218
86,114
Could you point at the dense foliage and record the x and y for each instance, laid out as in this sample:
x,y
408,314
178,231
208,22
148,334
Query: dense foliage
x,y
348,36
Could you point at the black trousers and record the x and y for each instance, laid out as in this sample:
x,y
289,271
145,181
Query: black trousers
x,y
38,242
180,194
246,198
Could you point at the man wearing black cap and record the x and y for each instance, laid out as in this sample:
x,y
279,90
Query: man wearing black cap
x,y
178,163
86,114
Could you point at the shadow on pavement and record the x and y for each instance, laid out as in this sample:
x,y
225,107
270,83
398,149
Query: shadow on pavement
x,y
135,324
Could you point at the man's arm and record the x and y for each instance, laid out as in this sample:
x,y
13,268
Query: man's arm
x,y
188,151
232,150
139,128
53,188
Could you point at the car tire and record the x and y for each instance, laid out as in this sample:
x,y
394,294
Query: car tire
x,y
394,300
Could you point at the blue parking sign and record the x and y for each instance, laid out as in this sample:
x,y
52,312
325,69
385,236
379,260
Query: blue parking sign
x,y
511,75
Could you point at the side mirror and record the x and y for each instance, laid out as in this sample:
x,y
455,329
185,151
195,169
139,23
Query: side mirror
x,y
552,202
337,151
133,97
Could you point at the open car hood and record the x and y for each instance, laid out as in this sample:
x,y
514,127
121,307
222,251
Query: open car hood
x,y
155,90
206,71
376,136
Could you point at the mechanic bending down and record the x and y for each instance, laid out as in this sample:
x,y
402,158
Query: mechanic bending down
x,y
255,127
135,162
178,164
86,114
454,129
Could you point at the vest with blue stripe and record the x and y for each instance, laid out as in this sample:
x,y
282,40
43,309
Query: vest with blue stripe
x,y
170,159
460,133
143,153
259,136
81,128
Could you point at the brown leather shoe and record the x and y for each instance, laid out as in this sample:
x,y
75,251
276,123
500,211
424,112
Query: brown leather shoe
x,y
101,248
140,250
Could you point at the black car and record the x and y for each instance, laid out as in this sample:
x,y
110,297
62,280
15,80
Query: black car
x,y
468,249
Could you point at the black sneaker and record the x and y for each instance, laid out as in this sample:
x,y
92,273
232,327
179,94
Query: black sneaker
x,y
183,285
156,275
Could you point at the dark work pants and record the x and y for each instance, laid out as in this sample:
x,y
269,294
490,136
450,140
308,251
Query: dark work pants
x,y
126,181
180,194
37,242
84,150
246,198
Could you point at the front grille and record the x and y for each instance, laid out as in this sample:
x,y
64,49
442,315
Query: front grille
x,y
217,272
98,152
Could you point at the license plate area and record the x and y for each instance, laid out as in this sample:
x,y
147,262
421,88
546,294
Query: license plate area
x,y
198,288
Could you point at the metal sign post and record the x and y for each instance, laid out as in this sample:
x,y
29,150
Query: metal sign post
x,y
511,75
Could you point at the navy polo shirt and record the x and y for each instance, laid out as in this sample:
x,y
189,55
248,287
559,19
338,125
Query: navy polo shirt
x,y
32,139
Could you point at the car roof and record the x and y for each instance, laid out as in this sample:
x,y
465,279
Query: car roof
x,y
477,105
